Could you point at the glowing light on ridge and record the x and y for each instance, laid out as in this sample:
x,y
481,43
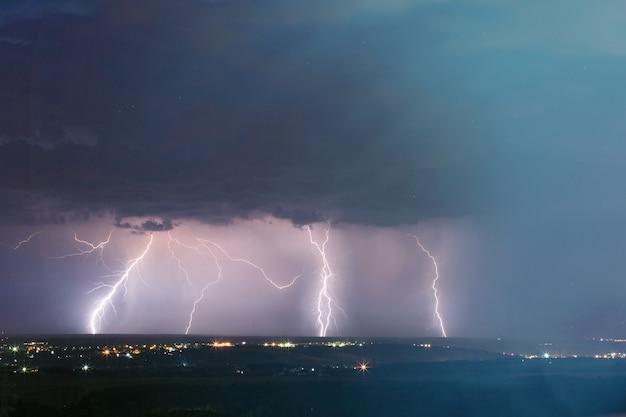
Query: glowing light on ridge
x,y
206,286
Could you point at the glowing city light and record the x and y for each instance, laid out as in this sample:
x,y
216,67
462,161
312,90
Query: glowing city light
x,y
220,344
363,367
437,319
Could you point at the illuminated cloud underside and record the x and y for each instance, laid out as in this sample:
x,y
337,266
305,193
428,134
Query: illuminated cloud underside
x,y
251,277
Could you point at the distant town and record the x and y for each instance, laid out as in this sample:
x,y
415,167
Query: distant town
x,y
20,354
205,376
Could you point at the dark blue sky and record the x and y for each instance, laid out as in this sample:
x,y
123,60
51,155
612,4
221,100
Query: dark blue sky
x,y
493,128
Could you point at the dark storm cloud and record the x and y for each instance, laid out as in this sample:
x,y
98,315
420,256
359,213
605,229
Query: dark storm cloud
x,y
12,10
232,109
158,225
368,111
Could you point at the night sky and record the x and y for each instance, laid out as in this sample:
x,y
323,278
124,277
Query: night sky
x,y
492,130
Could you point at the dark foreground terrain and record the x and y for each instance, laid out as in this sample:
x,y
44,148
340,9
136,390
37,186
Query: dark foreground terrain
x,y
76,378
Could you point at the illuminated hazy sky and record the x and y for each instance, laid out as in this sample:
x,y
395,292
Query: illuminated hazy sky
x,y
492,129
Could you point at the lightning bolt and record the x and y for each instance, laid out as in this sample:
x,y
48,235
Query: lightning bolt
x,y
325,301
176,259
209,249
21,242
207,285
96,316
206,244
90,248
437,319
181,268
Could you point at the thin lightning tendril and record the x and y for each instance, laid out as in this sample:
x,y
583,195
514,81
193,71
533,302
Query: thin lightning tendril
x,y
21,242
437,319
122,278
207,249
325,304
91,248
207,285
176,259
206,244
325,301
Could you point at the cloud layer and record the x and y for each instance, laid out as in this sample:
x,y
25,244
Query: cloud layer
x,y
216,111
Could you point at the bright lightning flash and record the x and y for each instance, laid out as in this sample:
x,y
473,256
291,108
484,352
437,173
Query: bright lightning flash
x,y
437,319
89,248
208,249
21,242
206,244
325,301
206,286
175,258
179,263
97,314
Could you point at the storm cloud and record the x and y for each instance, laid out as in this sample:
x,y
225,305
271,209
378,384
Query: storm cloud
x,y
495,129
215,111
